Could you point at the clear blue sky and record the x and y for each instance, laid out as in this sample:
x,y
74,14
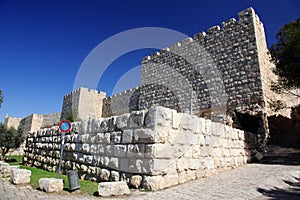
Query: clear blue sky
x,y
43,43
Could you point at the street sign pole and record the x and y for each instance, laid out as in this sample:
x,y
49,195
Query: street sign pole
x,y
64,127
61,154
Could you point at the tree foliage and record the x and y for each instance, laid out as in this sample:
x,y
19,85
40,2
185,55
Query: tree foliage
x,y
286,55
10,138
1,98
72,116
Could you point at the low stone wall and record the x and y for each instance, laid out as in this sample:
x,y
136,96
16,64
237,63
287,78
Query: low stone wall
x,y
153,149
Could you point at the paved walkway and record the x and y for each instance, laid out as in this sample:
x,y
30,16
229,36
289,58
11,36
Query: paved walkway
x,y
252,181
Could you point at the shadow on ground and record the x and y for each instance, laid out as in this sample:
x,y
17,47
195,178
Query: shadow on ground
x,y
277,155
292,192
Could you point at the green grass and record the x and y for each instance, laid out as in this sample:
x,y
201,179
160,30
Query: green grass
x,y
87,187
14,160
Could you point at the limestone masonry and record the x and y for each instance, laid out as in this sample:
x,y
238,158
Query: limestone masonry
x,y
202,107
153,148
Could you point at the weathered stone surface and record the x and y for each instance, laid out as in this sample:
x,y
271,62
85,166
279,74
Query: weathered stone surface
x,y
144,136
152,183
115,176
107,189
104,176
122,121
4,169
51,184
183,148
135,181
136,119
20,176
127,136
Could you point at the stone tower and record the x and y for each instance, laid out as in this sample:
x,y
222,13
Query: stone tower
x,y
83,103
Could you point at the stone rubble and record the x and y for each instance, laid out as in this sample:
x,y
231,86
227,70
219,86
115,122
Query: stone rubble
x,y
106,189
20,176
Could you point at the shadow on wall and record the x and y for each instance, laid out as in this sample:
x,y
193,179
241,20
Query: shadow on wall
x,y
291,192
284,131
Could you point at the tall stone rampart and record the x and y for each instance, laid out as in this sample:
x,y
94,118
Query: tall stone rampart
x,y
159,145
225,71
226,56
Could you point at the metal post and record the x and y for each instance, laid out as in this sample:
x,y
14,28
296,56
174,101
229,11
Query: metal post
x,y
191,103
61,154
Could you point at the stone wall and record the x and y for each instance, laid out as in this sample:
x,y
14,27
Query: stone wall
x,y
50,119
268,76
37,121
30,123
224,74
220,66
121,103
83,103
160,147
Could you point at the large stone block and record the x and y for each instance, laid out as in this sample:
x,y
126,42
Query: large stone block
x,y
152,183
169,180
107,189
51,184
6,169
162,166
104,175
122,121
20,176
163,151
136,181
127,136
177,117
136,119
144,136
189,122
120,150
159,116
136,151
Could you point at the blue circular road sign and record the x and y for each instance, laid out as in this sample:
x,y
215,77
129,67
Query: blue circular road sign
x,y
65,126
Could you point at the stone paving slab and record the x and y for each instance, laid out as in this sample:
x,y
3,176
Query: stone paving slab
x,y
252,181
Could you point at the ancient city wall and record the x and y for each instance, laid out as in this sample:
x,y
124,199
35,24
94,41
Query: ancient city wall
x,y
30,123
158,147
226,56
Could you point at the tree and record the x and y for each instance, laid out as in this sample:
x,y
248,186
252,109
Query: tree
x,y
1,98
286,56
10,138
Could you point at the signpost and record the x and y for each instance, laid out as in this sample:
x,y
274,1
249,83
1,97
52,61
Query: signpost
x,y
64,127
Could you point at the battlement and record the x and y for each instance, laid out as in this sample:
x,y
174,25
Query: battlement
x,y
123,93
245,16
78,90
